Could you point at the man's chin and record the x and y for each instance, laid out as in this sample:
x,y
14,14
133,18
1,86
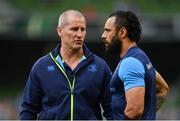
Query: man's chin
x,y
78,47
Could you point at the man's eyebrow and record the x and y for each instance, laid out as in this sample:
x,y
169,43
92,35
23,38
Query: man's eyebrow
x,y
107,29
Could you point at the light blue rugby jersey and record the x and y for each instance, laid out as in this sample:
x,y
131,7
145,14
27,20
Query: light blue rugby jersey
x,y
131,72
134,69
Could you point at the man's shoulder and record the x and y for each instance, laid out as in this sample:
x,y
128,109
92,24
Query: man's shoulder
x,y
42,60
99,59
131,63
138,53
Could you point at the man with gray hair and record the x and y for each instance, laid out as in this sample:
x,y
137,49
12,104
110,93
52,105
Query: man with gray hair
x,y
71,82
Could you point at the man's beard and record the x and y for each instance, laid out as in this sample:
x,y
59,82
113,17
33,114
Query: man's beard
x,y
115,47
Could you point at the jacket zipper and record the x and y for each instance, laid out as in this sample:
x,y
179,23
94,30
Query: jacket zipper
x,y
71,87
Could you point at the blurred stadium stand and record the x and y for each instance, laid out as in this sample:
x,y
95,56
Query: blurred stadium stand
x,y
28,31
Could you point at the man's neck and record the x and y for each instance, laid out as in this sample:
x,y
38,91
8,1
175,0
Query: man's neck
x,y
71,57
126,46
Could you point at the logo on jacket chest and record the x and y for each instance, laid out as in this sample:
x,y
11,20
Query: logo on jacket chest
x,y
50,68
92,68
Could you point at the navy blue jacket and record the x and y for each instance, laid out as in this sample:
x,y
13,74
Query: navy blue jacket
x,y
48,93
118,91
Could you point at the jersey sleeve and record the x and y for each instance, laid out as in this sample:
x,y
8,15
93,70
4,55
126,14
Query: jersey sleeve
x,y
131,72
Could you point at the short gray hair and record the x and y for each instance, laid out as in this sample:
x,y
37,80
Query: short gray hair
x,y
64,16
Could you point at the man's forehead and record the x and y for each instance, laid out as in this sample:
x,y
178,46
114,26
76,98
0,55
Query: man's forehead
x,y
74,20
110,22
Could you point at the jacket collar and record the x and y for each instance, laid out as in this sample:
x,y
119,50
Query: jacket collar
x,y
87,53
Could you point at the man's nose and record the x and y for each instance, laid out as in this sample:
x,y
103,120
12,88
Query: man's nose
x,y
80,33
103,36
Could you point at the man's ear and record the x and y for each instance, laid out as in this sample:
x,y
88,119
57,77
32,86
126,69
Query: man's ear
x,y
122,32
58,29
